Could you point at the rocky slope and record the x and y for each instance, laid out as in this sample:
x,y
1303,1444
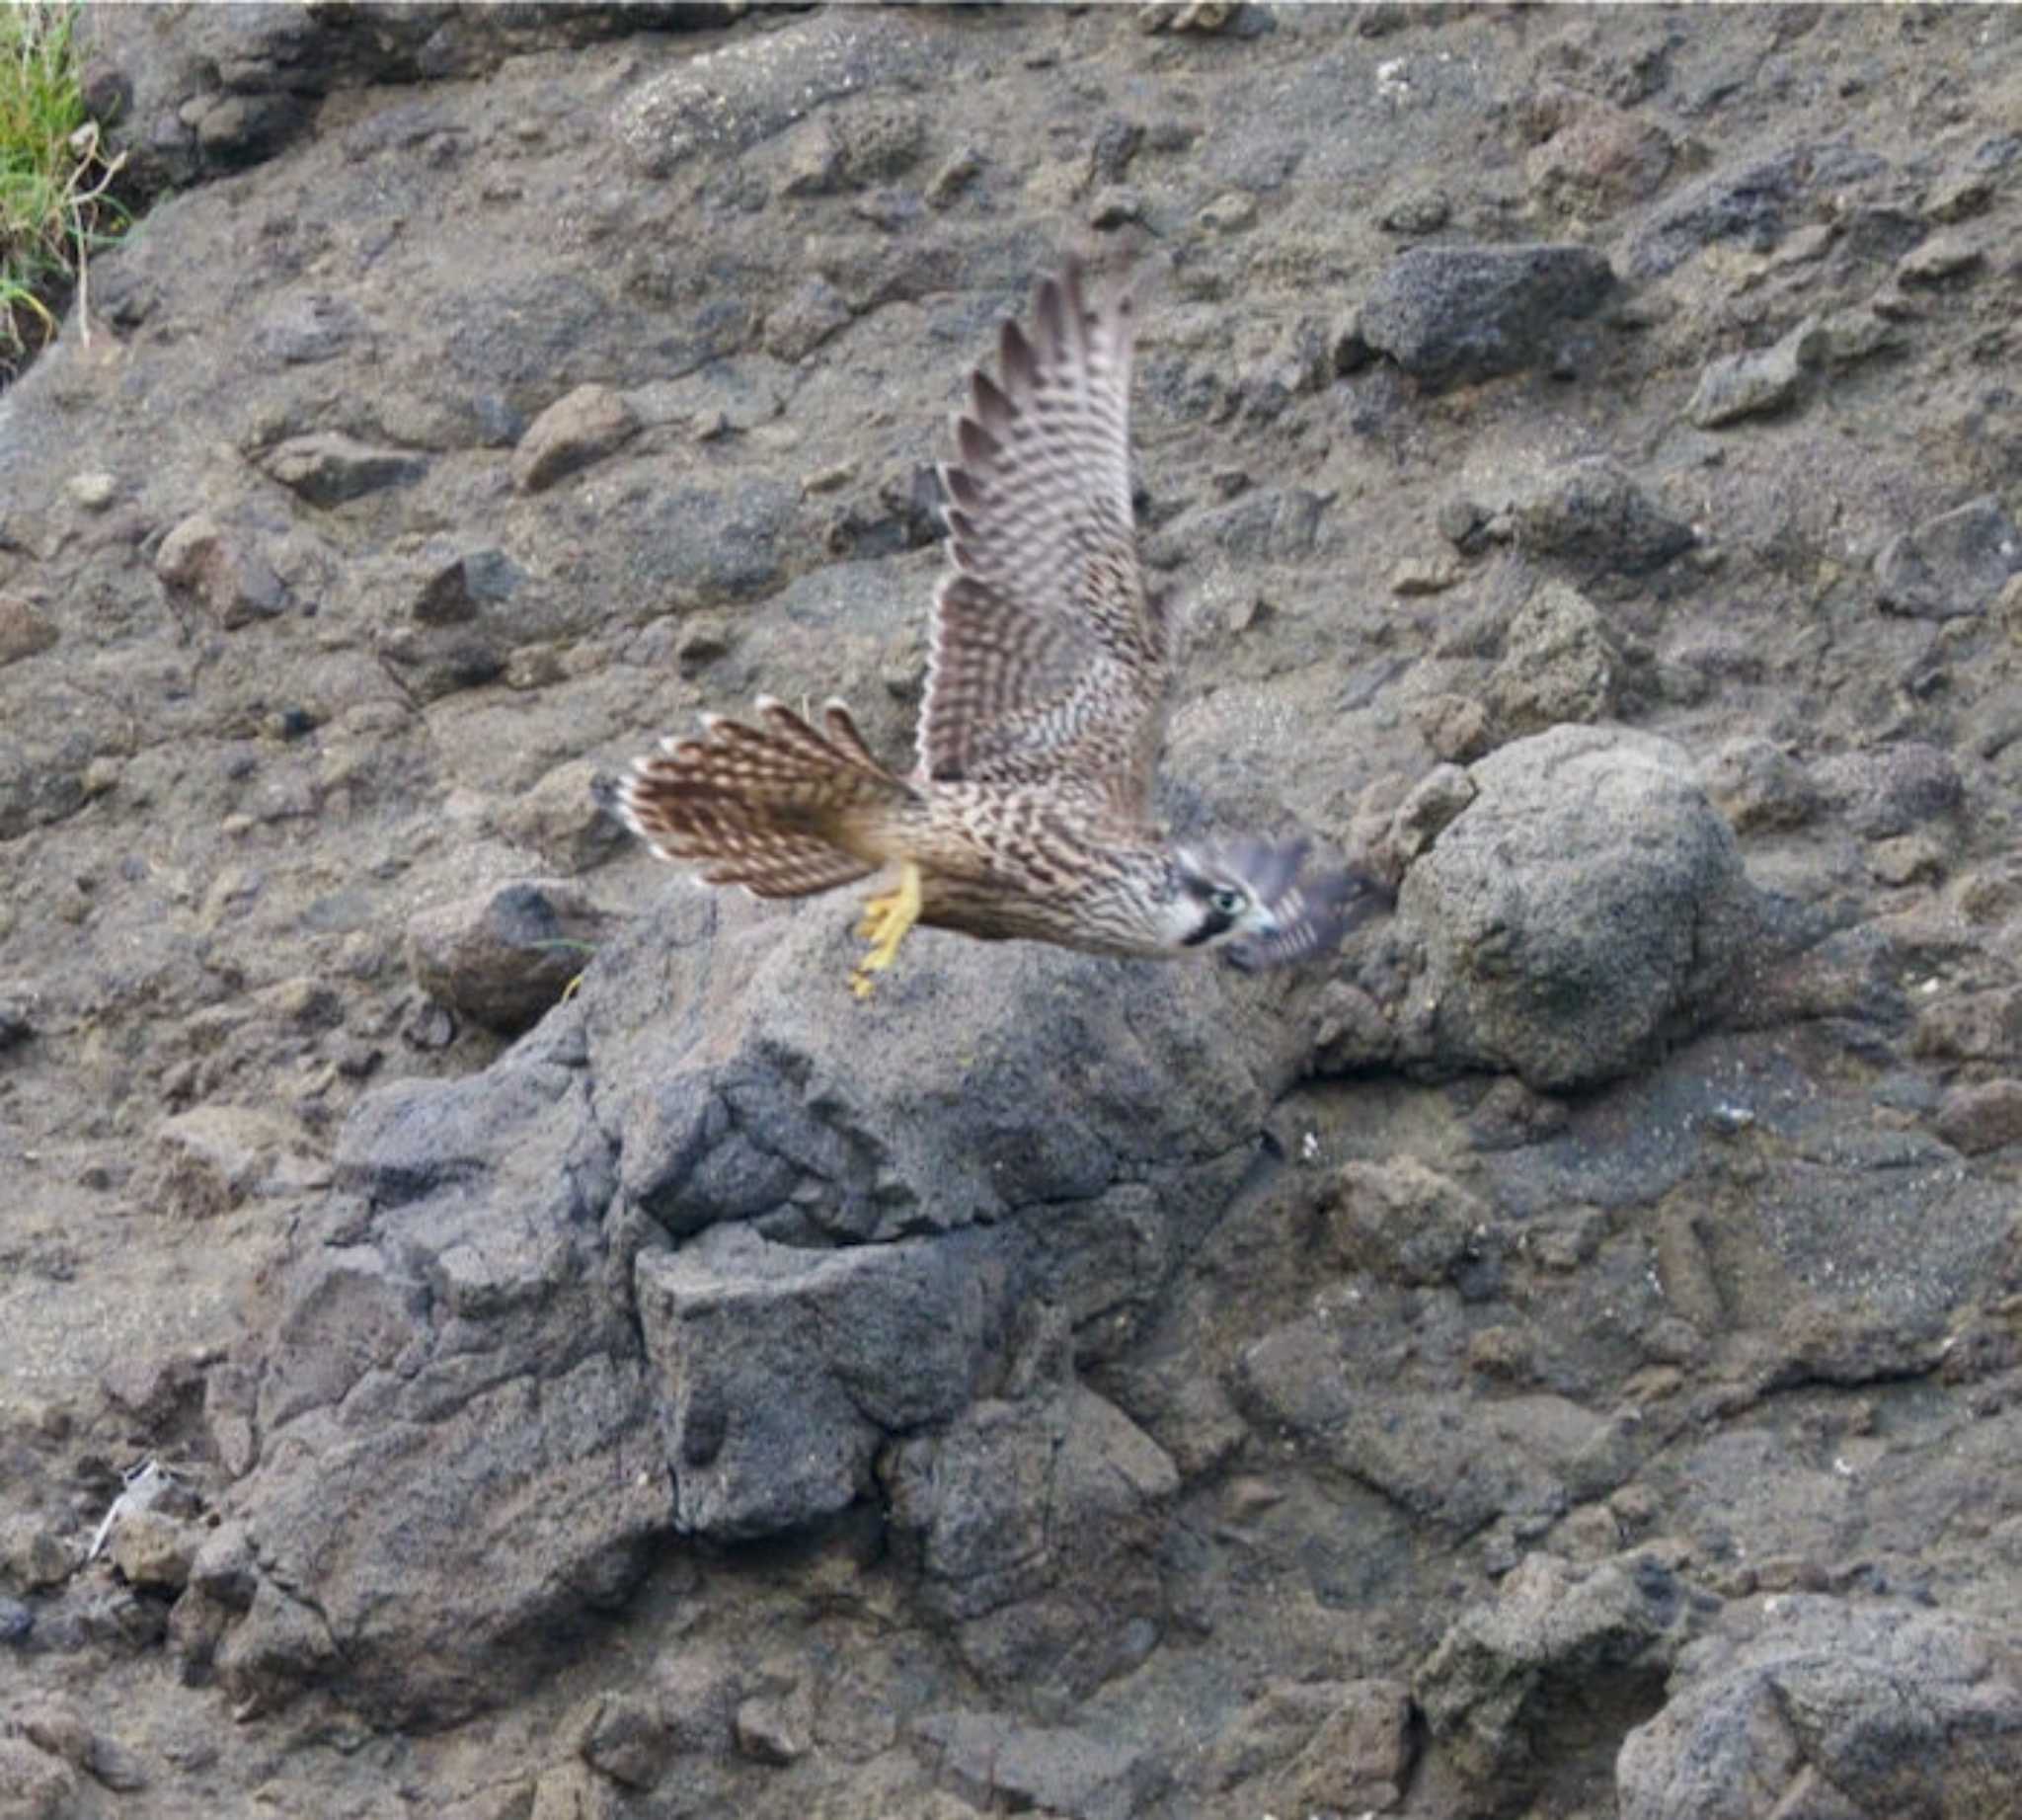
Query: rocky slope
x,y
1561,1360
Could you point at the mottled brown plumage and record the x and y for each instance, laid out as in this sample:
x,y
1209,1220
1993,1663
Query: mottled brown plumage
x,y
1029,812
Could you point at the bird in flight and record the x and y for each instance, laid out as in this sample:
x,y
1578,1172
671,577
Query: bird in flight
x,y
1028,813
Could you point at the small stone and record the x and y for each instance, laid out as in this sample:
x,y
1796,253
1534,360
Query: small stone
x,y
153,1550
1759,787
17,1622
767,1733
1358,1760
1599,161
1906,859
1204,16
1432,575
626,1739
1857,335
1455,727
2006,612
1230,212
1950,566
36,1557
101,777
1115,206
1440,795
1891,790
330,468
1593,514
1750,384
214,1159
93,492
456,592
563,820
503,958
1959,195
1246,1498
1458,314
813,159
1419,212
1983,1117
1947,254
579,428
1970,1027
831,479
1461,520
235,582
812,313
1500,1350
953,177
39,1785
881,136
1560,663
703,638
24,632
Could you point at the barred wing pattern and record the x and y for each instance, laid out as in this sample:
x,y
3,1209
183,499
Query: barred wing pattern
x,y
1047,660
778,807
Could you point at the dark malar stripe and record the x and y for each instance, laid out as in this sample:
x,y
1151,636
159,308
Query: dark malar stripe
x,y
1217,923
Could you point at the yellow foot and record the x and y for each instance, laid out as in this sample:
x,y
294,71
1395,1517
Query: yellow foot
x,y
887,917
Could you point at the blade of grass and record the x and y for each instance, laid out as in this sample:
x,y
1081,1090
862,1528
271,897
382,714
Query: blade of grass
x,y
54,176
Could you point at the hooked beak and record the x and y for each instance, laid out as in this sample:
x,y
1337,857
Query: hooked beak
x,y
1304,919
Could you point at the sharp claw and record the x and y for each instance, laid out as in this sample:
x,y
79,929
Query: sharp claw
x,y
886,919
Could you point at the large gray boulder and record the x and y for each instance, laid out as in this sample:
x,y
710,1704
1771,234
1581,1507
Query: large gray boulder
x,y
690,1257
1588,902
1857,1711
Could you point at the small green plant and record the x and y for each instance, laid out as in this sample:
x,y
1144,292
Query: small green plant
x,y
54,176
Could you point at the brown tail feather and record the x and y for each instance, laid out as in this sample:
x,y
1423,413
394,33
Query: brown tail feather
x,y
776,807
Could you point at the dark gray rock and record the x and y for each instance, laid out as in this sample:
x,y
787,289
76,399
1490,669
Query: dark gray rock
x,y
504,957
579,428
1456,314
236,88
1435,1456
1749,204
1952,566
752,89
1588,901
985,1758
1593,515
981,1080
474,1370
1036,1527
1891,790
24,632
625,1737
779,1371
1314,1747
1759,787
330,468
224,569
1828,1708
1983,1116
1560,662
1752,385
1554,1634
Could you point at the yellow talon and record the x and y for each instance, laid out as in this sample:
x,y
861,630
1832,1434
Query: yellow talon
x,y
887,917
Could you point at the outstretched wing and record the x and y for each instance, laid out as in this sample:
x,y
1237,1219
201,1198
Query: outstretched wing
x,y
1047,661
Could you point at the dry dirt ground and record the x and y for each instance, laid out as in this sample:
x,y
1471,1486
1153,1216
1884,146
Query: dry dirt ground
x,y
1556,1360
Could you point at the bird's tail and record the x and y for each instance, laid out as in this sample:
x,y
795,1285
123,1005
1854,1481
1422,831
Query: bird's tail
x,y
778,807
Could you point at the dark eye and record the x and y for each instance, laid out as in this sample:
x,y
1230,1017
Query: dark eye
x,y
1227,902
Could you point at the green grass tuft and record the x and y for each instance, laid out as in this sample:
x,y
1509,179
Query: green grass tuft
x,y
53,176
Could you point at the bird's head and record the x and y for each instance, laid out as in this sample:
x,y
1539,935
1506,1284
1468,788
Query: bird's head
x,y
1247,898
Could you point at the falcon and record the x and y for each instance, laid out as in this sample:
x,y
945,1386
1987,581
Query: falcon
x,y
1028,813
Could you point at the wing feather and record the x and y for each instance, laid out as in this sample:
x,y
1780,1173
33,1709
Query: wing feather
x,y
1047,662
